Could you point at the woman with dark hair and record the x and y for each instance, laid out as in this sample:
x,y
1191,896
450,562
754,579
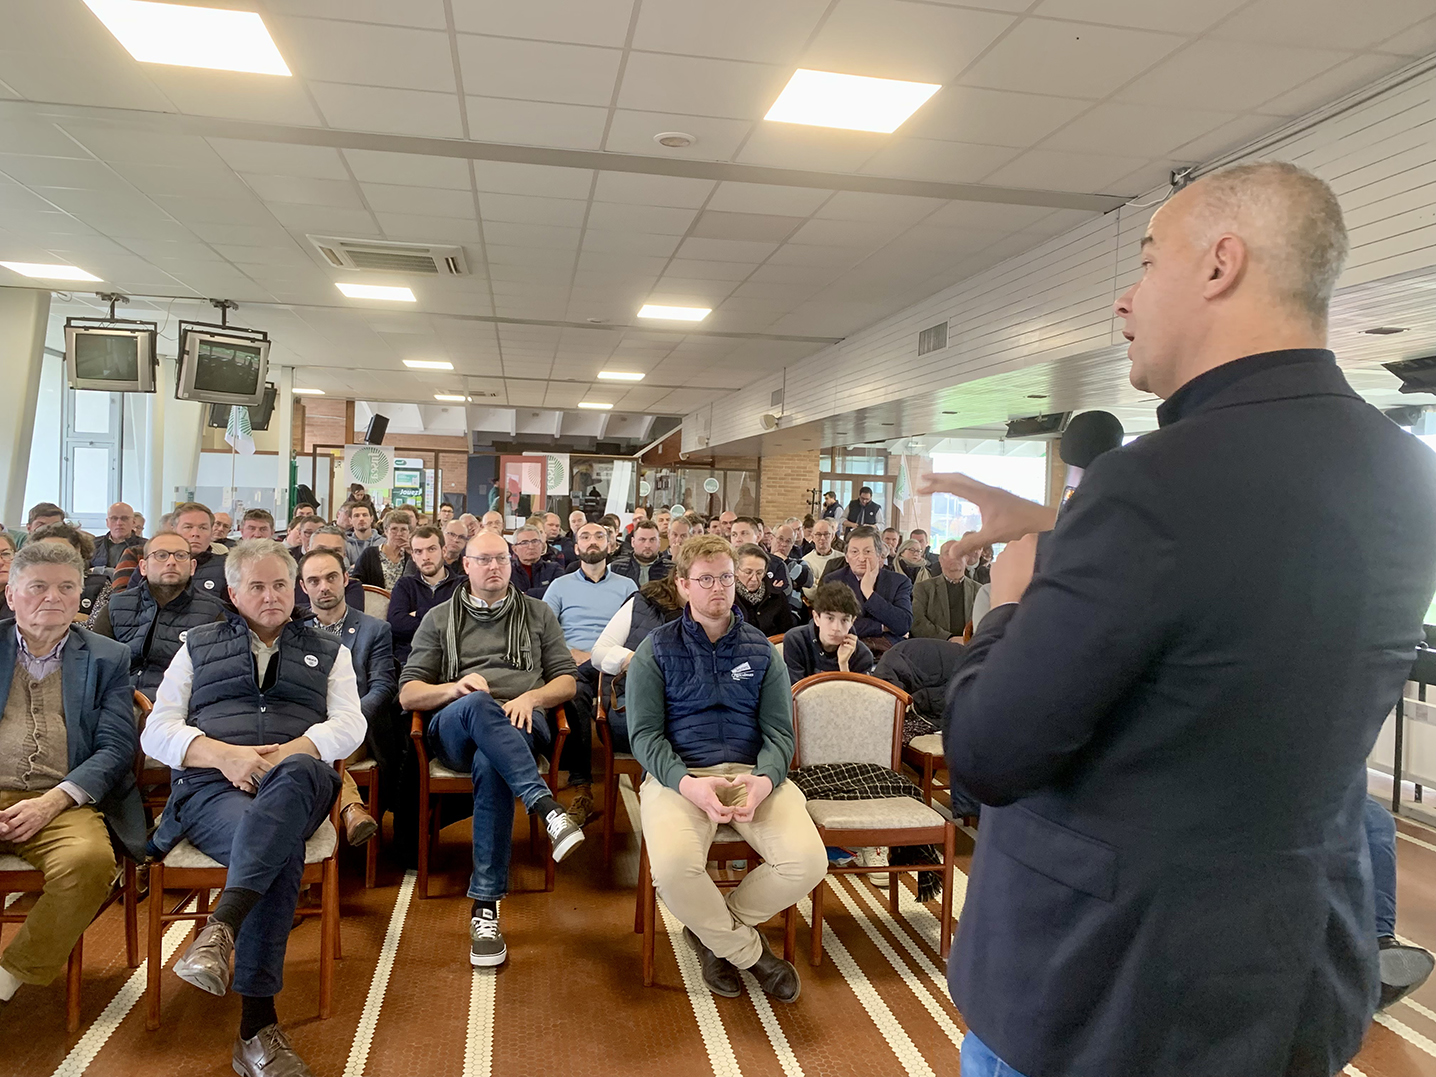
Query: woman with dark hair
x,y
655,603
764,608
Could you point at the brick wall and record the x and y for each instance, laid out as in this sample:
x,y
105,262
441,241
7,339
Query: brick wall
x,y
785,482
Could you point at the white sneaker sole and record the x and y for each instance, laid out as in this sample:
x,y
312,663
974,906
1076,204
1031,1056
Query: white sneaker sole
x,y
880,881
488,961
567,845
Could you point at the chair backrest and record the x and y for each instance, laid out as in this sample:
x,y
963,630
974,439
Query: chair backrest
x,y
376,601
847,718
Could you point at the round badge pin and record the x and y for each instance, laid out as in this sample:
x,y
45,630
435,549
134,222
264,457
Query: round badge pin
x,y
209,585
310,661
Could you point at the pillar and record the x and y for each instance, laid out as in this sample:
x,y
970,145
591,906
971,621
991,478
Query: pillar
x,y
24,317
183,434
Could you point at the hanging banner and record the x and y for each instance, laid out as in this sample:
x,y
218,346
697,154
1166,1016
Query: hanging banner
x,y
370,464
902,492
556,475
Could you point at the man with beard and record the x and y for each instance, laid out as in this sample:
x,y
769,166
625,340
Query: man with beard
x,y
371,649
153,617
643,561
330,537
584,602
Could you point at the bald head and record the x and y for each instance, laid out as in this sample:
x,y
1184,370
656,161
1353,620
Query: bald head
x,y
1242,261
493,521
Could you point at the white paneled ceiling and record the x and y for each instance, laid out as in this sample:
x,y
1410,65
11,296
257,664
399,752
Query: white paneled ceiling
x,y
523,132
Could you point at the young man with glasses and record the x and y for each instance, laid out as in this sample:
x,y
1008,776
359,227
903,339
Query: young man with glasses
x,y
153,617
710,720
532,572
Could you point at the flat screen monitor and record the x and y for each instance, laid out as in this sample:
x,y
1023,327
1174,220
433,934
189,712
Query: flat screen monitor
x,y
408,479
114,359
259,416
220,368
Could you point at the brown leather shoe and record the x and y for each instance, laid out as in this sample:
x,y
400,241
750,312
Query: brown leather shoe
x,y
777,977
359,825
580,810
206,964
269,1054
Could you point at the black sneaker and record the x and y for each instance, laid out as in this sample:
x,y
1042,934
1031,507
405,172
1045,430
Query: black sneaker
x,y
718,973
1403,969
563,836
486,941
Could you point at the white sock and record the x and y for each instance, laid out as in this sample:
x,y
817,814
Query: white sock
x,y
8,986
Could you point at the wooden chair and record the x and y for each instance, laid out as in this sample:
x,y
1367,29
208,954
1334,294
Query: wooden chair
x,y
777,642
153,777
727,845
366,776
925,755
186,868
615,762
854,718
376,601
436,780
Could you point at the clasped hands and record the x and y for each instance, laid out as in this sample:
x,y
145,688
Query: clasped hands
x,y
24,819
706,794
520,709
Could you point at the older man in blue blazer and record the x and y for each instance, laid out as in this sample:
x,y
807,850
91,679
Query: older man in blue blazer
x,y
68,741
884,594
371,645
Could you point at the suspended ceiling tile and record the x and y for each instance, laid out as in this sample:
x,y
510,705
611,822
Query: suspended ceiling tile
x,y
898,40
414,170
428,228
755,30
525,209
587,22
1178,18
536,123
430,201
792,145
660,219
717,139
944,162
538,70
1255,73
332,50
1070,59
758,198
339,194
702,87
1322,23
504,177
405,112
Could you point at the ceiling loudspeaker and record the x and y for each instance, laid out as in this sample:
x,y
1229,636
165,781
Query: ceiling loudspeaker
x,y
769,420
378,427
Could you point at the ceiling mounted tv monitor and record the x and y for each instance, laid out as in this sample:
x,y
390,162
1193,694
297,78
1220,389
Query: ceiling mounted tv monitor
x,y
221,365
1417,375
259,415
110,356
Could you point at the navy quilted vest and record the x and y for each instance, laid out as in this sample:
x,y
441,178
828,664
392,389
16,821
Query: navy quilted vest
x,y
132,614
225,701
712,690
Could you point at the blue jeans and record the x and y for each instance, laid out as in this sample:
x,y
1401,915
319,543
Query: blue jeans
x,y
474,734
979,1061
1381,837
260,838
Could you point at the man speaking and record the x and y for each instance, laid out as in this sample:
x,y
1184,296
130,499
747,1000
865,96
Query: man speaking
x,y
1173,877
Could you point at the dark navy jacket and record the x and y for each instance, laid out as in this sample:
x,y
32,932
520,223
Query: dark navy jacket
x,y
101,737
1174,878
533,581
208,577
410,600
371,644
712,690
627,565
888,612
152,634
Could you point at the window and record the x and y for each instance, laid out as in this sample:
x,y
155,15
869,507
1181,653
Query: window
x,y
1017,466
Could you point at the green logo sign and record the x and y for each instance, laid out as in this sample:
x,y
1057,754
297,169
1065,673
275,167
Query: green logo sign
x,y
369,465
710,485
556,477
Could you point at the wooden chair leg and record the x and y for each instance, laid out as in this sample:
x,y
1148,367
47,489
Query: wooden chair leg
x,y
815,943
73,975
790,934
895,881
929,768
643,880
424,839
610,808
949,854
132,914
371,850
156,932
329,935
650,931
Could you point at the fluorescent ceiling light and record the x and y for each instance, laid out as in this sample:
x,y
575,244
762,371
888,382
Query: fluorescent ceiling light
x,y
191,36
49,272
853,102
451,398
376,291
675,314
593,405
307,392
428,364
619,375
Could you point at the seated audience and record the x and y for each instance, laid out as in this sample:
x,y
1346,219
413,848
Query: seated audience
x,y
371,651
584,602
892,539
382,565
493,521
120,536
746,531
490,665
362,535
553,537
885,595
67,756
576,519
679,528
723,525
195,523
644,560
95,594
826,644
909,560
919,536
232,691
532,573
697,525
805,546
980,568
822,554
800,575
710,718
256,524
415,595
470,522
662,518
304,529
223,525
761,606
444,515
456,537
40,515
152,618
651,605
330,537
7,558
942,604
140,524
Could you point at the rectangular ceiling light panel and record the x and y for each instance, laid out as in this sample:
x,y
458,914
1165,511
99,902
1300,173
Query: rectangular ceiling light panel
x,y
186,36
428,364
376,291
307,392
41,271
593,405
674,314
619,375
852,102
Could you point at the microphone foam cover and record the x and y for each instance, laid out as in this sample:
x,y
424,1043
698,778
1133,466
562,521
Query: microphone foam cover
x,y
1088,436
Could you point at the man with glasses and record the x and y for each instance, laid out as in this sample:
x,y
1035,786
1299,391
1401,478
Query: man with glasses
x,y
489,666
223,525
532,573
456,537
710,720
111,546
153,617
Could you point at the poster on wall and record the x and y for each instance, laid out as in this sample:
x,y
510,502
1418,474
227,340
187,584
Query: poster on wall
x,y
370,464
556,475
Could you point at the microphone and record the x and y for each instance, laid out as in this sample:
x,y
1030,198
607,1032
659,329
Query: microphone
x,y
1087,437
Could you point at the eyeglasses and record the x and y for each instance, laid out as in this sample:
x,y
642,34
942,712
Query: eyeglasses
x,y
161,556
530,542
6,556
484,560
706,581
